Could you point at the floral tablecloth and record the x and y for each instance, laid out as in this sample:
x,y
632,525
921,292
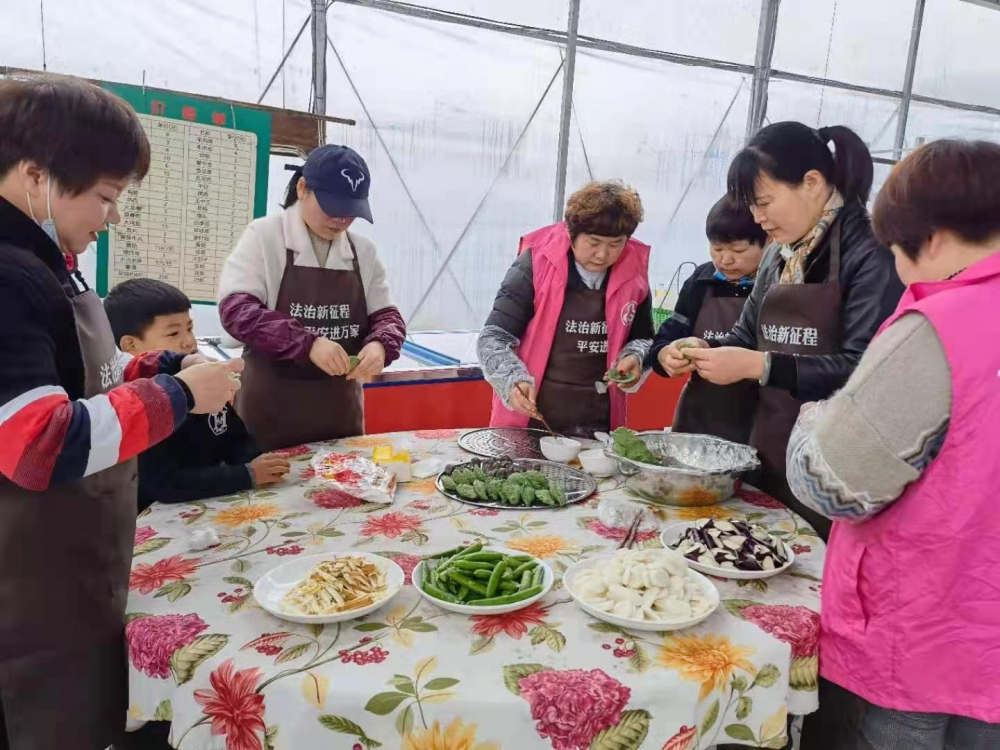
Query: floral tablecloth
x,y
228,675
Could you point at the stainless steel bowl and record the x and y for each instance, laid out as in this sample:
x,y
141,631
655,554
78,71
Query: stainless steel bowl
x,y
697,469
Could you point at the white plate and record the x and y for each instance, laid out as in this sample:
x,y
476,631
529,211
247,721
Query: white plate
x,y
711,593
271,588
548,578
672,533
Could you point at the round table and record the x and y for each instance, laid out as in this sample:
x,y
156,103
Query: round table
x,y
228,675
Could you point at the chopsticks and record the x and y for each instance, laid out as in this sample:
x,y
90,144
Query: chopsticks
x,y
538,414
632,533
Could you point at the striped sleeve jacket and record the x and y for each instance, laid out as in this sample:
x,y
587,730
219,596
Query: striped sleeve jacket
x,y
50,433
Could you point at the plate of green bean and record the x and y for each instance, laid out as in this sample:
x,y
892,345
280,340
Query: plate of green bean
x,y
473,580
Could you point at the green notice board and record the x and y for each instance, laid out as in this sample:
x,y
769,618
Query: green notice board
x,y
207,180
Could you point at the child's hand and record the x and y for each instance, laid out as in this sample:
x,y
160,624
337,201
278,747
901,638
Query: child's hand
x,y
269,468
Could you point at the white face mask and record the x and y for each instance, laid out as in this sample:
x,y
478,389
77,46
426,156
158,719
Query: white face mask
x,y
49,225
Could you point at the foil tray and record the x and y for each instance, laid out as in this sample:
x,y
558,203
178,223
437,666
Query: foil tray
x,y
697,470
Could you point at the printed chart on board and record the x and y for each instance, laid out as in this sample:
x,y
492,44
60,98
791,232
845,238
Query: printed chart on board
x,y
180,223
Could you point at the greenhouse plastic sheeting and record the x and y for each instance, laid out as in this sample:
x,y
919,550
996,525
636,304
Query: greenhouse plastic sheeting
x,y
442,110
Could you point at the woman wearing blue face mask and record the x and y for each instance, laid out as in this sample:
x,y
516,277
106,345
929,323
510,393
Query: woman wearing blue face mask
x,y
69,426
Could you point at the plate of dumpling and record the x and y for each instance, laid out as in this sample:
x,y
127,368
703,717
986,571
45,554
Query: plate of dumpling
x,y
642,589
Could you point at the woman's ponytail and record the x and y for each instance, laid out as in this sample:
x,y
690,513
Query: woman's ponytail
x,y
788,150
854,170
292,191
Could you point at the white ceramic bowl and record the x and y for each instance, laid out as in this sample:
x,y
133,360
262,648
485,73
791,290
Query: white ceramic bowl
x,y
562,450
272,587
548,578
596,463
711,593
673,533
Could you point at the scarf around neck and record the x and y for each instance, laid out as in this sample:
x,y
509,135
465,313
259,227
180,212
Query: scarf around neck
x,y
798,252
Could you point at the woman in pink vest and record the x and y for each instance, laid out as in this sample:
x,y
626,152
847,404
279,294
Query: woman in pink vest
x,y
904,460
574,304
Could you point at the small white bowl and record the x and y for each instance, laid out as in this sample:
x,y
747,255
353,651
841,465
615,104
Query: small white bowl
x,y
270,589
561,450
596,463
548,578
708,588
672,534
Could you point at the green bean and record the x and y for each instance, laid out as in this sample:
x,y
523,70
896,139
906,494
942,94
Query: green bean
x,y
463,593
491,587
521,558
439,594
497,601
484,557
470,550
461,556
464,580
466,565
526,578
537,576
487,574
508,587
446,553
519,570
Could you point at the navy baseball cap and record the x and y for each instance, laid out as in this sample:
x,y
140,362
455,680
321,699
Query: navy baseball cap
x,y
340,179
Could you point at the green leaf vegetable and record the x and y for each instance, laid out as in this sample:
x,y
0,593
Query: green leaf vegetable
x,y
629,445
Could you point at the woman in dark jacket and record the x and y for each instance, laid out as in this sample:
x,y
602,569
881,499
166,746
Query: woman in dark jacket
x,y
822,291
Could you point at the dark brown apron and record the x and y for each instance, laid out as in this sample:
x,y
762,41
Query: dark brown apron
x,y
287,403
65,556
567,397
725,411
800,319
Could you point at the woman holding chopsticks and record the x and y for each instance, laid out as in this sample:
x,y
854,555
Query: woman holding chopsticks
x,y
574,306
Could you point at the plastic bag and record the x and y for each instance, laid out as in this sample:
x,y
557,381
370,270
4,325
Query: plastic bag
x,y
357,476
619,514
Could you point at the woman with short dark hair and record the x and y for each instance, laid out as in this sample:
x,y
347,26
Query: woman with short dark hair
x,y
824,286
904,461
575,303
69,427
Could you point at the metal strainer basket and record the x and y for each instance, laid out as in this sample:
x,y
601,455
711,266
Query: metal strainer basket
x,y
697,469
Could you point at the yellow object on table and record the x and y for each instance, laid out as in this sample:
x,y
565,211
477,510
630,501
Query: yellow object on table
x,y
398,462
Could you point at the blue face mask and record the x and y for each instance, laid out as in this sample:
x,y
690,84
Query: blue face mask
x,y
49,225
745,281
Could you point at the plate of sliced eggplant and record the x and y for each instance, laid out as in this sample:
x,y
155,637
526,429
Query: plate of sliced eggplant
x,y
734,548
521,483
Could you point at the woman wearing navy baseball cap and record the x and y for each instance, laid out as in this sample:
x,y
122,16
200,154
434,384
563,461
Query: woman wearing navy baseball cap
x,y
303,295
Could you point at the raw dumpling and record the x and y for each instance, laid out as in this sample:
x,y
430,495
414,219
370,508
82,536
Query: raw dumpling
x,y
674,610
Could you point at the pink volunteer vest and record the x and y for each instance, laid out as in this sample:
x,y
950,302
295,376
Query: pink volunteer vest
x,y
911,598
627,287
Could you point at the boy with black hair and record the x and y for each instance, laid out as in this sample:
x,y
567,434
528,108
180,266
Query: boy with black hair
x,y
709,305
210,455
